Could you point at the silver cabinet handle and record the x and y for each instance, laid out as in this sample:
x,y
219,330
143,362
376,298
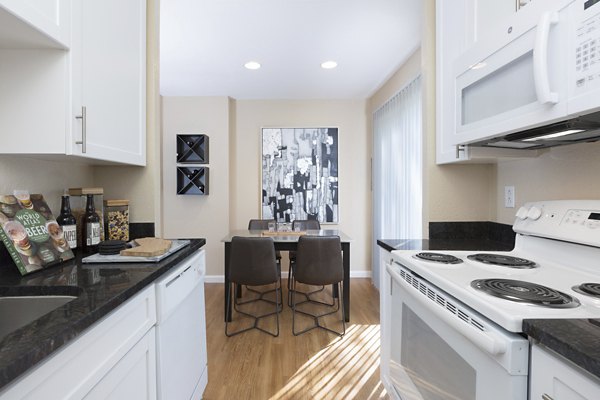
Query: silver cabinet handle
x,y
546,397
459,148
83,119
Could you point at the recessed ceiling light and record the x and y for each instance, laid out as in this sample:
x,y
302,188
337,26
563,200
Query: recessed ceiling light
x,y
252,65
328,65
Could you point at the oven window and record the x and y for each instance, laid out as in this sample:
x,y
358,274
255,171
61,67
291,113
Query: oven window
x,y
436,370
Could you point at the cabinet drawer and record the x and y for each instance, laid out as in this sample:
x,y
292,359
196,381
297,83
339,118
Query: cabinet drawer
x,y
76,369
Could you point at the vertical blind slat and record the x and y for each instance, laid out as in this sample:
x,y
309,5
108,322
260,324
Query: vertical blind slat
x,y
397,168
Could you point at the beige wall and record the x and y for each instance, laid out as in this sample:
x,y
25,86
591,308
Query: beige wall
x,y
49,178
560,173
354,162
234,129
191,216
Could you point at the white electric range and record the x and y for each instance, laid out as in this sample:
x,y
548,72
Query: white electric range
x,y
465,309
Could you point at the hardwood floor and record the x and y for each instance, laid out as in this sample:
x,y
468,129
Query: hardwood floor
x,y
314,365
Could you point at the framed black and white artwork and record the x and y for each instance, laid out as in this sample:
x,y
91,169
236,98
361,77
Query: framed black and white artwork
x,y
300,174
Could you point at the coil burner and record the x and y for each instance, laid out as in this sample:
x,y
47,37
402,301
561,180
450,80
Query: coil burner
x,y
525,292
502,260
439,258
588,289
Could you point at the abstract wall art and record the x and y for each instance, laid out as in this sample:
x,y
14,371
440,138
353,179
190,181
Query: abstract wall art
x,y
300,174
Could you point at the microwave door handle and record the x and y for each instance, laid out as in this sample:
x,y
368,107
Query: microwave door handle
x,y
485,340
540,59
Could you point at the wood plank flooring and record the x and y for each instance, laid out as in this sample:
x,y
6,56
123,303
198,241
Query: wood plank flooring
x,y
314,365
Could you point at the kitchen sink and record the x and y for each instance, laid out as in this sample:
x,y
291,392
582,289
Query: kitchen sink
x,y
18,311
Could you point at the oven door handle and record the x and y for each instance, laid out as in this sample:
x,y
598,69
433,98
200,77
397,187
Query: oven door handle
x,y
485,340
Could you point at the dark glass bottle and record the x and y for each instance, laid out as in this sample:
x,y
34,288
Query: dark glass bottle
x,y
90,227
67,221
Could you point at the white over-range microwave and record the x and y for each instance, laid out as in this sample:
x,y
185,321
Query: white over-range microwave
x,y
534,84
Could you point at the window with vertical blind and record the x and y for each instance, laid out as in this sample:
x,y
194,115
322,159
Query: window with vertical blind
x,y
397,169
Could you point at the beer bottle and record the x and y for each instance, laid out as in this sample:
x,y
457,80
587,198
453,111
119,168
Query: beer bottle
x,y
68,222
91,227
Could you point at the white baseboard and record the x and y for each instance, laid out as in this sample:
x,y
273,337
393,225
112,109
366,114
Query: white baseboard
x,y
214,279
361,274
284,274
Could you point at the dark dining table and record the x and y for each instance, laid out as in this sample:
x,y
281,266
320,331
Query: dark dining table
x,y
289,242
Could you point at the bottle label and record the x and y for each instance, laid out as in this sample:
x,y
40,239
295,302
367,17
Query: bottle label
x,y
70,234
93,233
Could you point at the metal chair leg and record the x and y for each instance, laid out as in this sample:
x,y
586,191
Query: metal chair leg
x,y
278,307
316,317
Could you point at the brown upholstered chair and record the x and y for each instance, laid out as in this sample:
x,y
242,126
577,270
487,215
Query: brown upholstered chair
x,y
303,225
318,262
253,263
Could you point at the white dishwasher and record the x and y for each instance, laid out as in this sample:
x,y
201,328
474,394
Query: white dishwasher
x,y
181,331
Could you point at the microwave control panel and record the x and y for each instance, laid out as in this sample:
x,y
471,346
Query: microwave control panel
x,y
586,45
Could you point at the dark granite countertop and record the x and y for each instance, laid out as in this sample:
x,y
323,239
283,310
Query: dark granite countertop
x,y
444,244
99,288
474,235
578,340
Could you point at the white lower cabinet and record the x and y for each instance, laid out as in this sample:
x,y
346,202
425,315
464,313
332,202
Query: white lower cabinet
x,y
113,359
133,377
555,378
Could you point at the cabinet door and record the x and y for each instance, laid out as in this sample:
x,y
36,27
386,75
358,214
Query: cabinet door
x,y
455,32
35,23
492,13
133,377
553,377
109,80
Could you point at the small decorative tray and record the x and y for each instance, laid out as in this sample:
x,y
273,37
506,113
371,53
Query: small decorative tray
x,y
283,233
176,245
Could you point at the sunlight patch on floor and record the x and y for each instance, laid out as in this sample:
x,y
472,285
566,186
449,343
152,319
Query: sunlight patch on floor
x,y
340,370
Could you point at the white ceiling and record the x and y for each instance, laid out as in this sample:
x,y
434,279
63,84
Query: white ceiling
x,y
205,43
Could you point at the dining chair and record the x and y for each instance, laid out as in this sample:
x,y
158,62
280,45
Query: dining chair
x,y
263,225
252,263
303,225
318,262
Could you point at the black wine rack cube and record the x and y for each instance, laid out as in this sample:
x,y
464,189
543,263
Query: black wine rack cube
x,y
192,180
192,149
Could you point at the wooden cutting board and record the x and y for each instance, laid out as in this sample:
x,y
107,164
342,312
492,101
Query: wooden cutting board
x,y
148,247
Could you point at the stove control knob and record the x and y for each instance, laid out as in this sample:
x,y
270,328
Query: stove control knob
x,y
522,213
534,213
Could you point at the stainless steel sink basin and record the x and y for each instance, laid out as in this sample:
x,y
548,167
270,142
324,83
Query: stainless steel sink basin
x,y
18,311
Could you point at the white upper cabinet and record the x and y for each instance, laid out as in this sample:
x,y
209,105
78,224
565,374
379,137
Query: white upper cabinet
x,y
492,13
58,57
35,23
455,32
109,80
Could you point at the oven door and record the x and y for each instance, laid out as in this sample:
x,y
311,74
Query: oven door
x,y
439,349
